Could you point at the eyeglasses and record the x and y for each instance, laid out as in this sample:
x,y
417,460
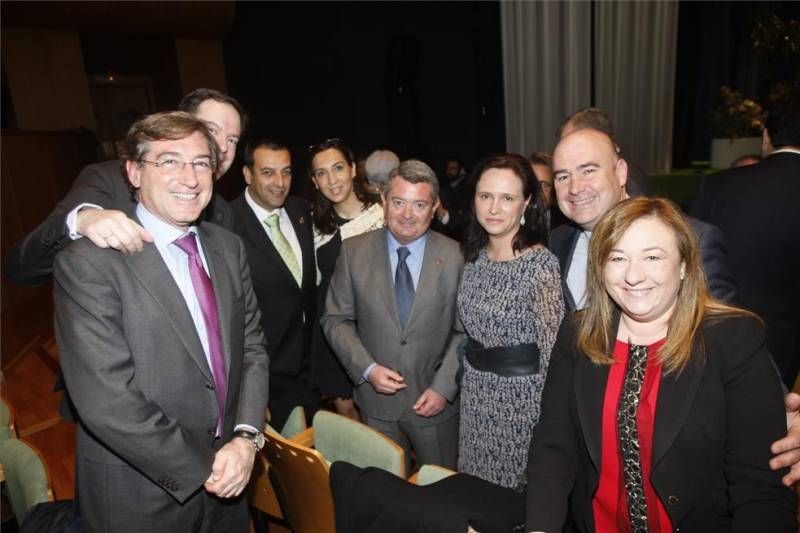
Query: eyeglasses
x,y
172,166
333,140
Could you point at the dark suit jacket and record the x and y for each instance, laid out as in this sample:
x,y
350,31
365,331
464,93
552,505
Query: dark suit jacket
x,y
138,376
287,311
755,208
714,425
30,261
712,247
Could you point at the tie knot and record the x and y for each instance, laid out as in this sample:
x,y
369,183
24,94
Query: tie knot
x,y
272,221
188,244
403,253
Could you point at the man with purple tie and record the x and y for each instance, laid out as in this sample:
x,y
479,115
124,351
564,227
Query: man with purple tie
x,y
162,351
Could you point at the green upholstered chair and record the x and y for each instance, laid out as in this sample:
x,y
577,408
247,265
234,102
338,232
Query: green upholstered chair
x,y
339,438
431,474
295,424
7,430
26,477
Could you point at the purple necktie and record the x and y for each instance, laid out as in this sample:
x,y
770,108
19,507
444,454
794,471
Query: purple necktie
x,y
204,291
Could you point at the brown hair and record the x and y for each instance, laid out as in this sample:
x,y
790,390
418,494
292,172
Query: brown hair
x,y
194,99
166,126
694,303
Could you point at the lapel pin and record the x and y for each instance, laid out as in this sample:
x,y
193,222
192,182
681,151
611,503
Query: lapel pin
x,y
439,261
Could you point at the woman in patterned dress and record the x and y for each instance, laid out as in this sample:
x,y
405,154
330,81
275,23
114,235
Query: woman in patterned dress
x,y
343,208
511,306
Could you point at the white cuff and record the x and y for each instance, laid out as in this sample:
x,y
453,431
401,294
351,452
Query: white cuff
x,y
72,220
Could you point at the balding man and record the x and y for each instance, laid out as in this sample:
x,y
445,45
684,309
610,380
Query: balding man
x,y
589,179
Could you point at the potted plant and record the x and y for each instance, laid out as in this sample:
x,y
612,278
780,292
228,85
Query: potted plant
x,y
736,126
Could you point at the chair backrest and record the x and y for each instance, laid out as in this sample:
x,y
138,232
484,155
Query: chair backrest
x,y
339,438
428,474
262,493
296,423
26,477
7,430
303,478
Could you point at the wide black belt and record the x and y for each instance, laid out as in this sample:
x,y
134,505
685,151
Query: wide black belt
x,y
506,361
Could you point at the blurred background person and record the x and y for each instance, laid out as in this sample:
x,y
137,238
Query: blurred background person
x,y
661,401
510,304
451,216
746,160
343,208
377,168
542,165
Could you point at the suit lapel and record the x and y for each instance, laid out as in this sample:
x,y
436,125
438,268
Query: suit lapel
x,y
432,264
590,389
300,224
676,395
257,233
565,261
381,275
149,268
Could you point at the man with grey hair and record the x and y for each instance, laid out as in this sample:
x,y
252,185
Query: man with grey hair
x,y
378,166
391,318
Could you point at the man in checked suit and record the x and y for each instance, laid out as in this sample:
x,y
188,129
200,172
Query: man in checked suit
x,y
277,234
391,318
162,351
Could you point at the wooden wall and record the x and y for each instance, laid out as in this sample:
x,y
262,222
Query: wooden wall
x,y
37,170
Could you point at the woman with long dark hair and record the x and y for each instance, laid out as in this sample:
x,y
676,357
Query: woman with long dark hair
x,y
343,208
511,305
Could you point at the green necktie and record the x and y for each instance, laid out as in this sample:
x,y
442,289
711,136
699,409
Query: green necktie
x,y
283,247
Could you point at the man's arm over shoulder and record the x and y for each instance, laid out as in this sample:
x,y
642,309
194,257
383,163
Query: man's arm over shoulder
x,y
99,370
339,316
715,262
30,260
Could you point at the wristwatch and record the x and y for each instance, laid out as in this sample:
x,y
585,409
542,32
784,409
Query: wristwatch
x,y
256,439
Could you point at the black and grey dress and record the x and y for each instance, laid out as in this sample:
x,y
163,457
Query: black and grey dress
x,y
506,304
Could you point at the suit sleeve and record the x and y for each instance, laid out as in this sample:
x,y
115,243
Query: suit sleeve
x,y
715,251
30,260
553,455
755,418
99,370
254,391
338,319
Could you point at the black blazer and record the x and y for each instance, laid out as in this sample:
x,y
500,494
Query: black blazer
x,y
756,209
714,425
712,247
287,311
30,260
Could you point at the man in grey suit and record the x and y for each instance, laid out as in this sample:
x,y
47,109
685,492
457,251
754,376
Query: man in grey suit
x,y
162,351
391,318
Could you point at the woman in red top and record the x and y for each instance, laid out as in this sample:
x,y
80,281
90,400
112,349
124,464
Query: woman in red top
x,y
660,403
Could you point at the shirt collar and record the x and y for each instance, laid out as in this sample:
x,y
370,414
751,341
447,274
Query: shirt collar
x,y
416,248
162,232
260,212
787,150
